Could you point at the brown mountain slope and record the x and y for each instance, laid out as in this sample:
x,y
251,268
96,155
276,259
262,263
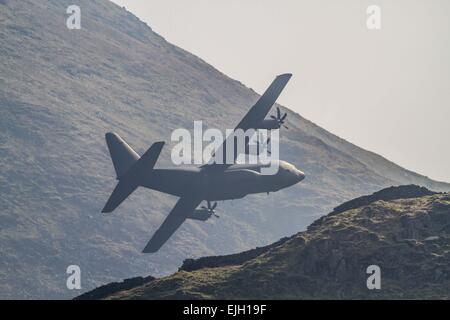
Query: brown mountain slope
x,y
409,239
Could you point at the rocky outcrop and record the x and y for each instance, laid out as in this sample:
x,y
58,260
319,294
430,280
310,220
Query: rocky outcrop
x,y
114,287
408,239
392,193
227,260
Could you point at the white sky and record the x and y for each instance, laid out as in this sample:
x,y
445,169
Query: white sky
x,y
387,91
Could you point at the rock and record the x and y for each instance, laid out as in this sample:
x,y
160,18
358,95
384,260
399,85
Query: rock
x,y
330,260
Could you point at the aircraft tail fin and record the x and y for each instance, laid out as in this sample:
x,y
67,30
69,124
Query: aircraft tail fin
x,y
132,177
122,155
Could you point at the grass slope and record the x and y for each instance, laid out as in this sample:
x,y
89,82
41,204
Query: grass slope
x,y
409,239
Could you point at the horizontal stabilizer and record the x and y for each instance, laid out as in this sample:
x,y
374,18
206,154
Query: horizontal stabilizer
x,y
133,177
120,193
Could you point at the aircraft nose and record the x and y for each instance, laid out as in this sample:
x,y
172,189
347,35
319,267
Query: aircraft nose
x,y
300,175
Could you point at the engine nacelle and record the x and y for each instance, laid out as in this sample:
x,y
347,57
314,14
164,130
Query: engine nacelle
x,y
269,124
200,214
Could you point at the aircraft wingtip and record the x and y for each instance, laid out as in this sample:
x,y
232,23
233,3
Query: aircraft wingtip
x,y
111,136
287,75
106,209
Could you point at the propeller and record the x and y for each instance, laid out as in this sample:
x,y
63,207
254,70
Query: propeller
x,y
211,208
280,118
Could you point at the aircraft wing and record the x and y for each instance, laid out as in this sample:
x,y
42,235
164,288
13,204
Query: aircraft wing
x,y
258,112
262,107
176,217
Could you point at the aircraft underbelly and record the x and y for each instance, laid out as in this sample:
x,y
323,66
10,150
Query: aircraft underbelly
x,y
233,185
224,186
171,181
226,194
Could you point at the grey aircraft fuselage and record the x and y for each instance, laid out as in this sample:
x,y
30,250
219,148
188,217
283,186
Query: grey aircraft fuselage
x,y
210,182
233,183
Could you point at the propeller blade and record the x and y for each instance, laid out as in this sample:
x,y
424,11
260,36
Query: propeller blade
x,y
214,205
273,117
284,116
278,113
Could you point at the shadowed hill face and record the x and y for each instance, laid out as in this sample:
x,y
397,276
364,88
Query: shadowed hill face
x,y
409,239
61,90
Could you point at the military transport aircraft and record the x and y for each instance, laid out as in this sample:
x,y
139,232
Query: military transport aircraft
x,y
210,182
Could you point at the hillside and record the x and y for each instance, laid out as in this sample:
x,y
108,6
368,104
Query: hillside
x,y
61,90
409,239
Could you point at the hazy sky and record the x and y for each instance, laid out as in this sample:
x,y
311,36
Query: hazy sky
x,y
385,90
